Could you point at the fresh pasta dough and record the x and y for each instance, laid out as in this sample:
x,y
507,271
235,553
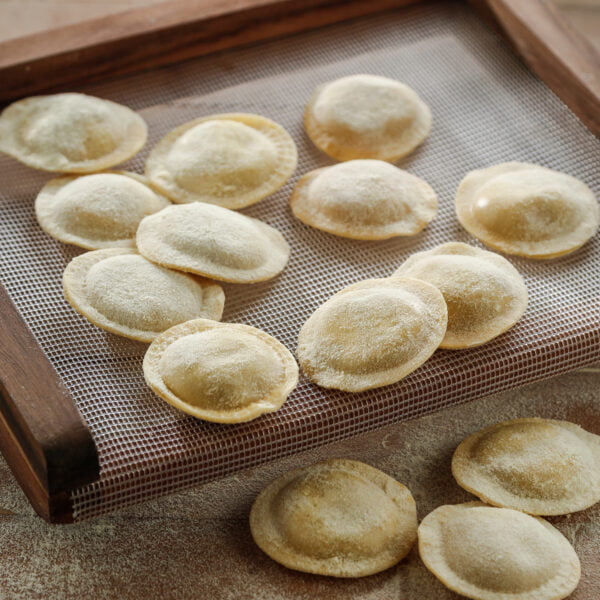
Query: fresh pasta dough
x,y
70,133
539,466
221,372
488,553
527,210
122,292
485,294
101,210
214,242
372,334
231,160
338,517
364,200
366,116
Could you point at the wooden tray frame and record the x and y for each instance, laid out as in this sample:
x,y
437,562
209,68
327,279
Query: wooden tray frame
x,y
44,439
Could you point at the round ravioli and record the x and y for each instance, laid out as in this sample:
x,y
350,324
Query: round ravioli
x,y
539,466
338,517
484,293
70,133
364,200
372,334
232,160
488,553
221,372
212,241
366,116
122,292
101,210
527,210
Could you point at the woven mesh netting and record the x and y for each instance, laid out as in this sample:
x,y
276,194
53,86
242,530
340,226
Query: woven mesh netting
x,y
487,109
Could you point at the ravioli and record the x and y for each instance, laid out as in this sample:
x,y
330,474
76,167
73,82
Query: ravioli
x,y
96,211
122,292
338,517
540,466
527,210
213,241
221,372
70,133
488,553
372,334
366,116
231,160
485,294
364,200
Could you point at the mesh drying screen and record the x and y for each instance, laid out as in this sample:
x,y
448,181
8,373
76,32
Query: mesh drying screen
x,y
487,108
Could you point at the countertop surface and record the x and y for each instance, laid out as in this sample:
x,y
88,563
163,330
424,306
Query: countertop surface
x,y
197,544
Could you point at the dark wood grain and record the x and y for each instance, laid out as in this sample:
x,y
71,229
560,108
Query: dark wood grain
x,y
44,438
556,52
56,508
158,35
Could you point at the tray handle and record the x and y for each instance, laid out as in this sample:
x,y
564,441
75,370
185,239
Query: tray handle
x,y
554,50
43,437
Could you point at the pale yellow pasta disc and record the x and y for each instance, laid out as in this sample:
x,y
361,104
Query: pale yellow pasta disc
x,y
70,133
372,334
364,200
221,372
232,160
527,210
366,116
540,466
122,292
485,294
102,210
488,553
338,517
213,241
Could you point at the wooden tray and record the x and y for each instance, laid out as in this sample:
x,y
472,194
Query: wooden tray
x,y
42,435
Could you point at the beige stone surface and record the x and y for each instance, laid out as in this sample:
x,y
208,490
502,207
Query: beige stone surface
x,y
584,16
197,544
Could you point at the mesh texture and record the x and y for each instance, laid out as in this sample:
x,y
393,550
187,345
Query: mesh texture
x,y
487,109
